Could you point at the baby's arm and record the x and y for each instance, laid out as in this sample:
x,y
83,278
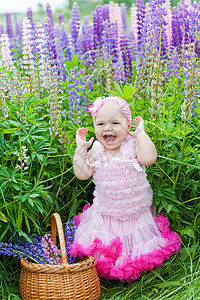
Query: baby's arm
x,y
145,149
81,169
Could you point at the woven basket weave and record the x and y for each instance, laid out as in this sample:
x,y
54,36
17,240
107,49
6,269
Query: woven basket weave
x,y
59,282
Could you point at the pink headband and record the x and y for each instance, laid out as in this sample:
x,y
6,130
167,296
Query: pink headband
x,y
93,109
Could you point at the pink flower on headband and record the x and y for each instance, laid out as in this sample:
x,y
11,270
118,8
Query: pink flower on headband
x,y
93,109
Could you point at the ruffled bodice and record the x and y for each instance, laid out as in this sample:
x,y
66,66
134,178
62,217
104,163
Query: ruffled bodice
x,y
121,187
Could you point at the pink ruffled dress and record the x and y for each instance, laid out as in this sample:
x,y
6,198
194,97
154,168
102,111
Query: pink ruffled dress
x,y
119,229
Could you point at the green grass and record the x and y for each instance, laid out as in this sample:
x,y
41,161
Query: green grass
x,y
178,278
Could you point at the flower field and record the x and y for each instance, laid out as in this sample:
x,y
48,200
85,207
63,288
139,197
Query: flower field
x,y
49,74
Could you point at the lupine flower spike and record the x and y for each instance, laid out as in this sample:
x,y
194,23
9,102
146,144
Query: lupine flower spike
x,y
70,229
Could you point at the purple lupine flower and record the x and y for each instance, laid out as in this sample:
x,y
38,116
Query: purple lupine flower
x,y
180,26
87,43
15,21
64,49
190,82
134,24
110,43
119,76
51,43
194,28
30,17
70,229
141,11
173,64
105,12
132,41
50,250
60,53
110,51
19,31
99,16
1,29
158,26
144,39
153,33
61,18
126,57
176,32
75,25
31,250
65,42
49,14
193,23
9,29
78,88
123,9
15,49
193,107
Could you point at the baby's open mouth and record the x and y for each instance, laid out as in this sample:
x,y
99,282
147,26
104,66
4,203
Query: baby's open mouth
x,y
109,138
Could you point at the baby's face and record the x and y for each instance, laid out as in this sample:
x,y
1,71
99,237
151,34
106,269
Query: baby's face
x,y
111,125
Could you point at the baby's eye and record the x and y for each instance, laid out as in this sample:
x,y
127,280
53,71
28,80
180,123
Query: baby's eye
x,y
115,123
99,124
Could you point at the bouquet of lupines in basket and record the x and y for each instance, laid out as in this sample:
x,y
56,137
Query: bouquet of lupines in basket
x,y
39,249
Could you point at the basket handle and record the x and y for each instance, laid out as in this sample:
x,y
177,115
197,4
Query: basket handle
x,y
56,222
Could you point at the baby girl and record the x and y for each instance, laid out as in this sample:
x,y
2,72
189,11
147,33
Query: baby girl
x,y
119,229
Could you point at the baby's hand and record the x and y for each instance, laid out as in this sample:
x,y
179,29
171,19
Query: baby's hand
x,y
139,127
81,138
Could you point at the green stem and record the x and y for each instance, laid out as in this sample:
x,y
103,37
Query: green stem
x,y
182,156
61,179
20,145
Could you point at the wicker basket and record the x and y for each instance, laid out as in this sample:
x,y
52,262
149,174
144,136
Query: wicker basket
x,y
59,282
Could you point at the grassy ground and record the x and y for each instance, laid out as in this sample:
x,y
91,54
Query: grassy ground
x,y
178,278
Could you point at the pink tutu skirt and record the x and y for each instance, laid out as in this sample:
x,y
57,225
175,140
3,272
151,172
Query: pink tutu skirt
x,y
124,249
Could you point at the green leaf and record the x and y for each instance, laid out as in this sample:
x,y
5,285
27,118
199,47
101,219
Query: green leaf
x,y
25,197
33,195
21,233
27,222
169,207
42,158
4,183
17,124
188,231
74,205
16,187
164,203
19,221
30,201
10,130
3,217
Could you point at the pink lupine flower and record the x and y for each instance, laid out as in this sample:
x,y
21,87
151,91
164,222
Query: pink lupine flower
x,y
50,250
168,18
43,59
5,50
28,58
116,17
